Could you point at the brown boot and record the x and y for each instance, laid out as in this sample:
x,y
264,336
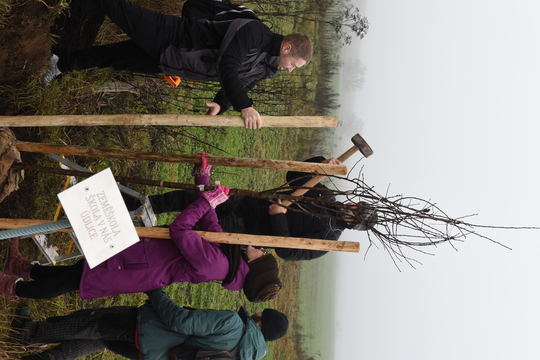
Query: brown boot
x,y
16,265
7,285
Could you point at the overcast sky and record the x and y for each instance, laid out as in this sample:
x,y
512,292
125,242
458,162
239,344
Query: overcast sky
x,y
450,107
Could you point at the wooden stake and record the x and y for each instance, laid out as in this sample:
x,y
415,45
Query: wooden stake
x,y
179,158
164,119
223,238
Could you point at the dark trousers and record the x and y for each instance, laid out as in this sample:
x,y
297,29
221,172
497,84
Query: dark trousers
x,y
229,213
125,55
50,281
150,33
85,332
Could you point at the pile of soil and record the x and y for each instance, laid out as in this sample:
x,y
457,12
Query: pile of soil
x,y
25,46
25,41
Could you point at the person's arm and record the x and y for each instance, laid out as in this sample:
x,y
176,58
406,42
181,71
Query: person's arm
x,y
201,254
194,322
292,175
278,220
220,99
251,36
213,108
204,257
305,254
279,226
221,103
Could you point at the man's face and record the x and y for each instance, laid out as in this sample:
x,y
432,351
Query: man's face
x,y
289,63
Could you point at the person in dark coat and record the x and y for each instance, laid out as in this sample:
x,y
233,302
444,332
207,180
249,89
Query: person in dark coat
x,y
238,53
150,332
256,216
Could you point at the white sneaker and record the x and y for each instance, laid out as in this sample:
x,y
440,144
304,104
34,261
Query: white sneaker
x,y
52,71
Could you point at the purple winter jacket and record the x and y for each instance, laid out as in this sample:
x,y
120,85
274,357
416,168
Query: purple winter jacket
x,y
154,263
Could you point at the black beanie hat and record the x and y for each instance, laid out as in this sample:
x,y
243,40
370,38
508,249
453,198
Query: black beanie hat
x,y
274,324
262,276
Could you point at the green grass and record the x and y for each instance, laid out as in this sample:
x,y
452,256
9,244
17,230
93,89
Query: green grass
x,y
5,9
266,143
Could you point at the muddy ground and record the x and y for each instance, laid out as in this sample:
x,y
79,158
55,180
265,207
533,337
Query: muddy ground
x,y
25,46
35,28
26,41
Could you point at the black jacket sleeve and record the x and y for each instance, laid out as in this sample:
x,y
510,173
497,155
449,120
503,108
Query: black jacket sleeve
x,y
252,36
279,227
223,101
291,175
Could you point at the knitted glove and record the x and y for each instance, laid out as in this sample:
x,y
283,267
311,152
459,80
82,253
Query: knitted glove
x,y
203,169
217,196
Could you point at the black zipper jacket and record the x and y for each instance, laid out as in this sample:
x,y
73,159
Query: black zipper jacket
x,y
238,53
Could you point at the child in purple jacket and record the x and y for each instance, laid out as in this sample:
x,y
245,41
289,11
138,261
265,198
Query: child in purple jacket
x,y
154,263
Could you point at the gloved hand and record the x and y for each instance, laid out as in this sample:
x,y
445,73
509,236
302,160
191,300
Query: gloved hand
x,y
202,169
217,196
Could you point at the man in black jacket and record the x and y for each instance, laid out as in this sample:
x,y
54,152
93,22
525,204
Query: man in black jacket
x,y
247,215
238,53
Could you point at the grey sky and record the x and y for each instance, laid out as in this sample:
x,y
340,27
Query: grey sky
x,y
449,106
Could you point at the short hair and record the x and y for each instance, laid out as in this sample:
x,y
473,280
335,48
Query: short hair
x,y
302,47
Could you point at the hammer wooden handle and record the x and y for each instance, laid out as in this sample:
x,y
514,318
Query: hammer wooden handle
x,y
318,178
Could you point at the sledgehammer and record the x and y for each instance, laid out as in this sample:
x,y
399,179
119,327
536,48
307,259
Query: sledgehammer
x,y
359,145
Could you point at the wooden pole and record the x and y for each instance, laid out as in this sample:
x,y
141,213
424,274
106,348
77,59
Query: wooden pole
x,y
164,119
318,178
272,194
131,180
222,238
179,158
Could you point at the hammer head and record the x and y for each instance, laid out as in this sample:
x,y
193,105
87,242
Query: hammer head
x,y
362,145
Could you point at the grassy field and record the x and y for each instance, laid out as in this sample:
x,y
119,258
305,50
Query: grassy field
x,y
86,93
266,143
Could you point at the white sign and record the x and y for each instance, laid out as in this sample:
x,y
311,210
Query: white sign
x,y
99,217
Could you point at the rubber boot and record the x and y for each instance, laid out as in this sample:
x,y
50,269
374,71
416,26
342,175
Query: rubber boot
x,y
7,285
16,265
